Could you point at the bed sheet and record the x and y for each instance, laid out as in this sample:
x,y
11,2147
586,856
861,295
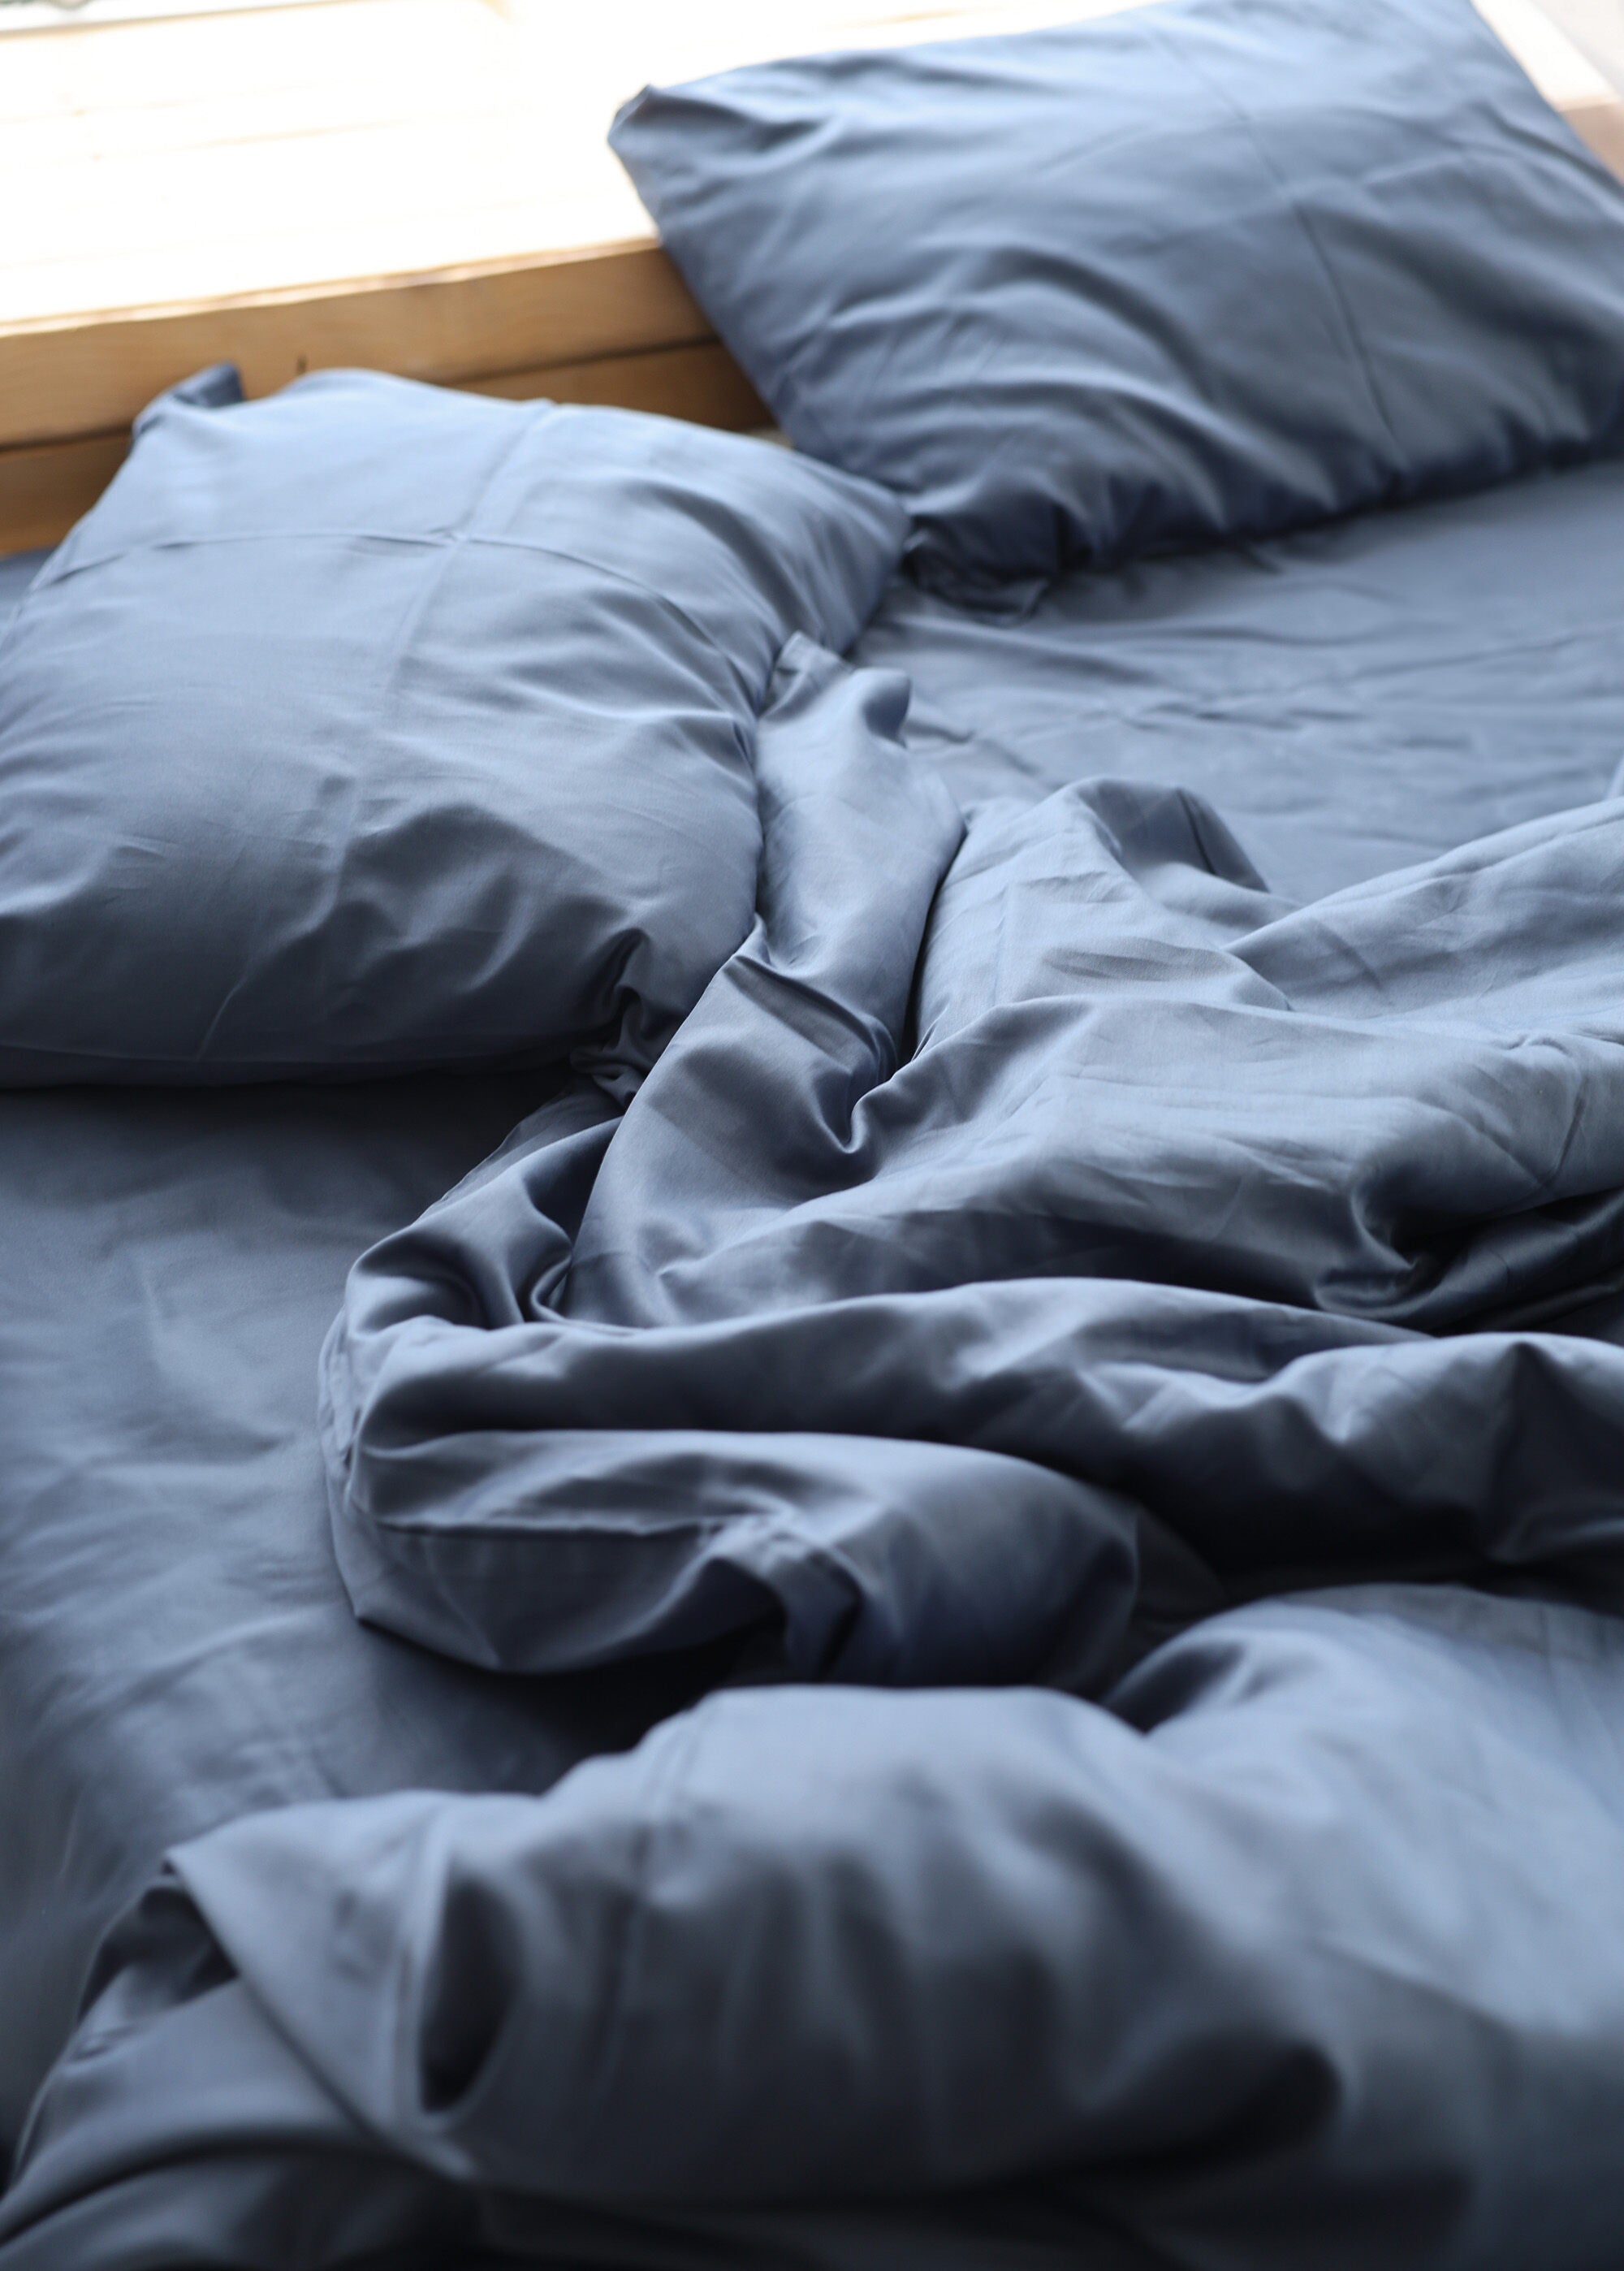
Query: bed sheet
x,y
1351,698
176,1647
16,572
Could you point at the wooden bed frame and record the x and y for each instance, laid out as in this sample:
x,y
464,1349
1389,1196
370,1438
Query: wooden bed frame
x,y
557,309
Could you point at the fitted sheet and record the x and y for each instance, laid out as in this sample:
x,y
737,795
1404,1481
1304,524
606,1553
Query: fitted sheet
x,y
176,1646
1351,698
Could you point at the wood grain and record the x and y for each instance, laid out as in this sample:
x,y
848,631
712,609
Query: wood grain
x,y
44,489
58,379
703,384
1600,123
45,486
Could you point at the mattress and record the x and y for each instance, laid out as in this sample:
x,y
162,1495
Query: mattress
x,y
177,1650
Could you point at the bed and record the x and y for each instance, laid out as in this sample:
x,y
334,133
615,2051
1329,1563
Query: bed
x,y
842,1724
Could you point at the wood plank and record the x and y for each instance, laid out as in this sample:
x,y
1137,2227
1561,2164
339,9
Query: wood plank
x,y
1600,123
43,490
237,155
703,384
66,378
170,163
45,486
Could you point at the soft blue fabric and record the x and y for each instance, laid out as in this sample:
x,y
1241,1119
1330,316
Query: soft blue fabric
x,y
1039,1238
1352,698
1049,1234
375,726
1259,1966
177,1647
1207,269
18,571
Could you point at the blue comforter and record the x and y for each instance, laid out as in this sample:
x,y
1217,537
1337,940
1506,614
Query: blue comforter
x,y
1122,1373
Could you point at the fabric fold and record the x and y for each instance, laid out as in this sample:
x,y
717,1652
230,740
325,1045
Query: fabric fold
x,y
1186,1968
1026,1235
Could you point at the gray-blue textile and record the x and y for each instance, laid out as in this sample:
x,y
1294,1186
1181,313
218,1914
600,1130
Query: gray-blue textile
x,y
991,1179
1352,698
1207,269
1038,1236
377,726
989,1592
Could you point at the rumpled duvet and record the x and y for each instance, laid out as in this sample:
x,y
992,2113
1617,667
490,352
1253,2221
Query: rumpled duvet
x,y
1125,1374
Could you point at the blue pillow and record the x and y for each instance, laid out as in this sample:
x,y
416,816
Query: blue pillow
x,y
376,726
1197,271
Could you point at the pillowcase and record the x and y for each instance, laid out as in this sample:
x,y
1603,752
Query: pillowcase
x,y
1196,272
375,727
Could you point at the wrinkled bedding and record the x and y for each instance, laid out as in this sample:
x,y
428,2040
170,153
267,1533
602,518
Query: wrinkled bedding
x,y
1064,1452
988,1140
1352,698
174,1644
